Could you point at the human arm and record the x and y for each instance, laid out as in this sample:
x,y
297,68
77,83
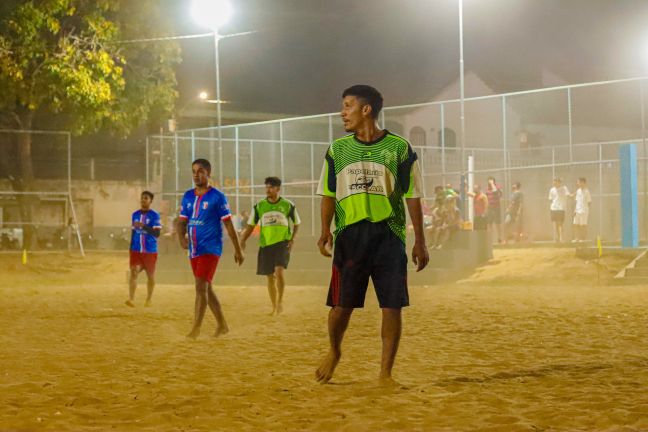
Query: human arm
x,y
291,242
181,229
420,255
231,232
327,210
247,232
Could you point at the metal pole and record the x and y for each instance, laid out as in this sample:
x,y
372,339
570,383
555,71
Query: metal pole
x,y
330,128
312,175
645,158
193,146
177,170
471,168
382,119
505,142
443,147
218,111
569,122
148,180
461,82
281,151
252,173
236,167
69,164
600,200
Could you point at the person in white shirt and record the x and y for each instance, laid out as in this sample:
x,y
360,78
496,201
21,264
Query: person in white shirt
x,y
558,195
581,212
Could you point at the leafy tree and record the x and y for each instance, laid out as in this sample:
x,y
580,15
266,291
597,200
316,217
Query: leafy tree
x,y
66,58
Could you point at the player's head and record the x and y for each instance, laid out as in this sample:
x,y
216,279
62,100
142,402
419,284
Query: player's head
x,y
581,182
517,186
557,182
477,189
273,185
146,199
361,104
491,182
200,171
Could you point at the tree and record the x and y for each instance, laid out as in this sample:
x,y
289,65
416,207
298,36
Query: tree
x,y
67,58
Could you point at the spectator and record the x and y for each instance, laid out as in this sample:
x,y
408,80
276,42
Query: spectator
x,y
558,197
480,208
450,222
581,212
494,195
513,222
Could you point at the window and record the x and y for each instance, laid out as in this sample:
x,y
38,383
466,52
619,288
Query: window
x,y
417,136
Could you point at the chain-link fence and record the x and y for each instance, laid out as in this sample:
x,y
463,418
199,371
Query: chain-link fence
x,y
530,137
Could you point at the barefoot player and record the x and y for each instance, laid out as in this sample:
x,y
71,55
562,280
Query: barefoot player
x,y
279,223
364,179
203,211
145,230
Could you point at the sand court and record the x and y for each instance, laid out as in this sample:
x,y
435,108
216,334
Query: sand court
x,y
505,350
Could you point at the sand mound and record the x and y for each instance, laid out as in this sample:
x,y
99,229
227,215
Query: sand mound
x,y
541,266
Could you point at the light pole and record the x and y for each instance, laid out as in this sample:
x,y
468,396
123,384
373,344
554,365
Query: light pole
x,y
214,14
462,110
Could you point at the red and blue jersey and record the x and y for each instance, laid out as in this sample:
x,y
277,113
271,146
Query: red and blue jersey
x,y
141,241
204,214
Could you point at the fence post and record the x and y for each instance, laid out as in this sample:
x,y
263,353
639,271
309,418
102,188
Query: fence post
x,y
281,151
443,147
252,197
312,175
600,173
569,122
193,146
147,164
177,169
645,157
505,150
236,168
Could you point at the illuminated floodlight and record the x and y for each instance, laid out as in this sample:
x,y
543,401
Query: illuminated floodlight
x,y
212,14
203,95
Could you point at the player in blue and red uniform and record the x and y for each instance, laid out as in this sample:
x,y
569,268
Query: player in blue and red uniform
x,y
203,214
146,227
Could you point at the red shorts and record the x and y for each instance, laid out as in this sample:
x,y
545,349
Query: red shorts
x,y
145,261
204,266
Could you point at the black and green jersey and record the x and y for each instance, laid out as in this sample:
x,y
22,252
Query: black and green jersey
x,y
276,220
370,180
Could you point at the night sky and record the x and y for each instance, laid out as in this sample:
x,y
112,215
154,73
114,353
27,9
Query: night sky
x,y
306,52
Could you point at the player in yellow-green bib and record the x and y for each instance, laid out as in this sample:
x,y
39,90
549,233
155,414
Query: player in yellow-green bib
x,y
279,223
365,178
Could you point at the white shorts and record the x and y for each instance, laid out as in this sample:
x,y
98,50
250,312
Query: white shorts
x,y
580,218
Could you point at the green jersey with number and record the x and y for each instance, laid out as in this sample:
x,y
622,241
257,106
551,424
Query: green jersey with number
x,y
276,219
370,180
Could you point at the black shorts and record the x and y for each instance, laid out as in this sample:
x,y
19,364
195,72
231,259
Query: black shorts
x,y
481,222
494,215
275,255
367,249
558,216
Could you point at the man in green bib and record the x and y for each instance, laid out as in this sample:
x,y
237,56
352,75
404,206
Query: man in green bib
x,y
364,179
279,223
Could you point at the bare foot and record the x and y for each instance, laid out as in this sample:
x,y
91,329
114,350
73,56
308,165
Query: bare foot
x,y
324,372
129,303
279,308
221,331
389,382
194,333
273,313
148,303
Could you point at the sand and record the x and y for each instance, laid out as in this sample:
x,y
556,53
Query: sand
x,y
491,353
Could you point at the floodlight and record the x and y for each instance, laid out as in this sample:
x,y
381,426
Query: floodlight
x,y
211,13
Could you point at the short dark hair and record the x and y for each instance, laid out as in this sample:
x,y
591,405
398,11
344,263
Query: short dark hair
x,y
273,181
582,179
517,185
368,95
203,163
149,194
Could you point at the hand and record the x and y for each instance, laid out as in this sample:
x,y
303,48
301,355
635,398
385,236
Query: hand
x,y
325,244
184,242
290,245
420,256
239,257
138,224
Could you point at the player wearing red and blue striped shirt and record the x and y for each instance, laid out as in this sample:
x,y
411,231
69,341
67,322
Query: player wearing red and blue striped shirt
x,y
204,212
146,227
